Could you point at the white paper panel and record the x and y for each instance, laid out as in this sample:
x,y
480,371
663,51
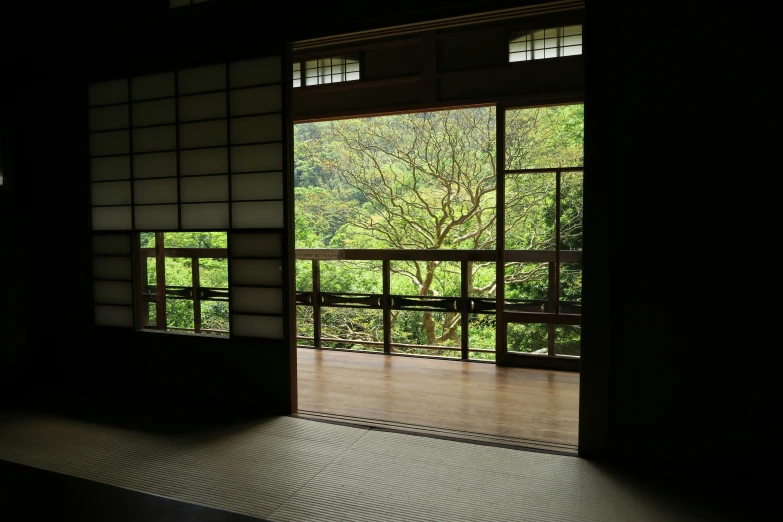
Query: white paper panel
x,y
255,326
111,193
205,215
153,112
259,214
112,267
204,134
256,245
105,118
107,315
204,161
111,315
257,128
116,142
155,191
156,165
113,292
111,218
155,138
252,72
110,244
207,188
109,92
251,158
267,185
156,217
152,86
110,168
256,272
255,100
199,79
202,107
257,300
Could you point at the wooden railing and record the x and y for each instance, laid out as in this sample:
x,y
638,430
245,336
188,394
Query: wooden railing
x,y
548,311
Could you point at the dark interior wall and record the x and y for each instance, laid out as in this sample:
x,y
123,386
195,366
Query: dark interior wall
x,y
663,373
682,386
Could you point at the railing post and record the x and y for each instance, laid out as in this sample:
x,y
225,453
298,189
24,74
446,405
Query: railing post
x,y
316,303
194,270
554,272
552,306
386,303
160,280
464,267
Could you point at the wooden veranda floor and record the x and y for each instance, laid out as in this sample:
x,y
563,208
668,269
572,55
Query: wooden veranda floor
x,y
454,399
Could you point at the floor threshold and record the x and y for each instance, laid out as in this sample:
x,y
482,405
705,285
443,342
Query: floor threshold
x,y
441,433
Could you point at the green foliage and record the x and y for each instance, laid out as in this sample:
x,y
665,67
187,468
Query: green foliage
x,y
428,181
212,273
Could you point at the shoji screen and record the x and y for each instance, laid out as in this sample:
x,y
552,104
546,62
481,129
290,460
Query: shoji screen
x,y
196,149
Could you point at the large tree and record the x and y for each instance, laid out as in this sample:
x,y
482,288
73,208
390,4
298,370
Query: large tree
x,y
428,181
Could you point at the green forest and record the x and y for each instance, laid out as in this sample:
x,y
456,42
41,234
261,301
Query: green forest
x,y
416,181
212,273
428,181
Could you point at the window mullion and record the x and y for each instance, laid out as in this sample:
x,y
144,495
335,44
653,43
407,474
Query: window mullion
x,y
160,268
196,295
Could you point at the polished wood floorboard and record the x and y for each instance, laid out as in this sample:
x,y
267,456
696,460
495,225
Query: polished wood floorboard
x,y
538,405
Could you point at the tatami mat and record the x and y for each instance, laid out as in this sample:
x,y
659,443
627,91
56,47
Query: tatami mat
x,y
290,469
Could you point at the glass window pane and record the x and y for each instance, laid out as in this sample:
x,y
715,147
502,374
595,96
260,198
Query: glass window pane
x,y
530,211
147,239
213,272
545,137
527,287
179,315
214,317
150,316
528,338
571,288
568,340
152,272
179,271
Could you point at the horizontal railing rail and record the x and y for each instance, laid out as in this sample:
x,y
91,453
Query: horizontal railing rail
x,y
548,311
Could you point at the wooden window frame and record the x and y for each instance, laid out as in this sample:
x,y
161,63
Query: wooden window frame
x,y
158,294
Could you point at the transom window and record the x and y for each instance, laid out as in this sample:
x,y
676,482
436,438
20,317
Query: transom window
x,y
326,70
546,43
183,282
